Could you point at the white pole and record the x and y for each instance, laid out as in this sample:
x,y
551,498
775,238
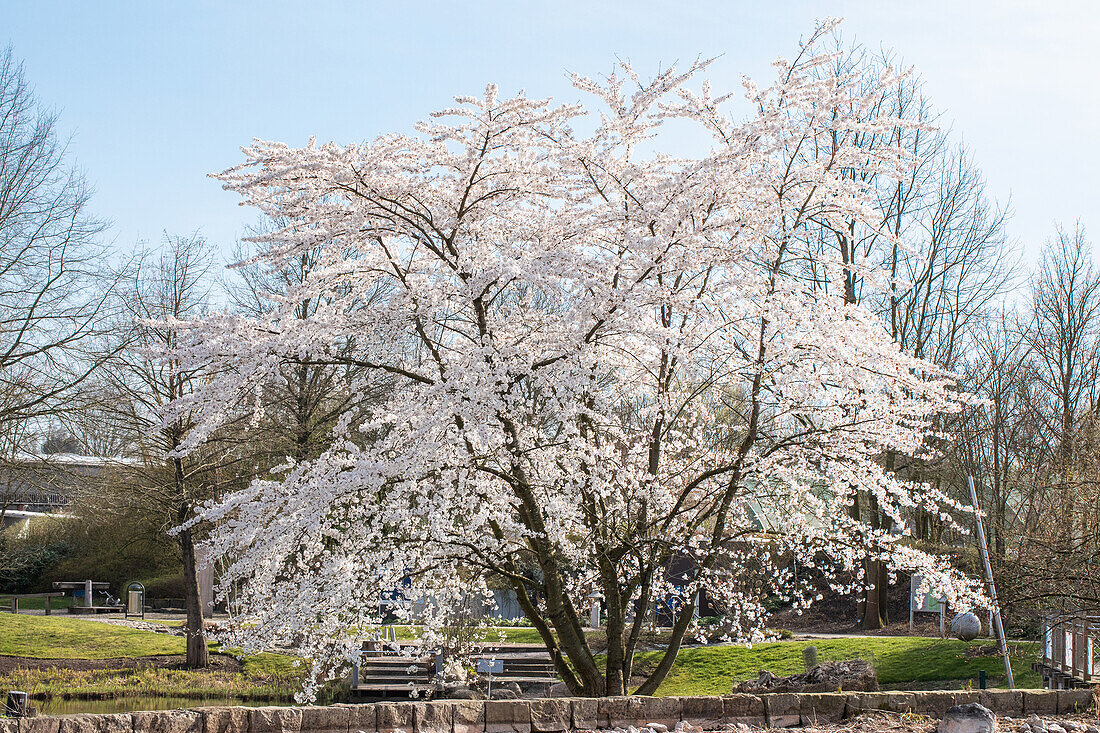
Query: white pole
x,y
989,581
88,593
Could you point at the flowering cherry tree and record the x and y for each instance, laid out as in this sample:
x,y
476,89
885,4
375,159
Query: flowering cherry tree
x,y
600,359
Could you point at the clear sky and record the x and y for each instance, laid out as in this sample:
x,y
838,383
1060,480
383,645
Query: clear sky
x,y
156,95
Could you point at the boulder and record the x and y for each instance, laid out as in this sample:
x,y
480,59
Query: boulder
x,y
850,675
969,718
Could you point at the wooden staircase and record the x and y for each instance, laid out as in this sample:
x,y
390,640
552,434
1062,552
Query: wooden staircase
x,y
387,673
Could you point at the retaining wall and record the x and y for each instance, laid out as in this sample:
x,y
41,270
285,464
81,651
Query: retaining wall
x,y
781,710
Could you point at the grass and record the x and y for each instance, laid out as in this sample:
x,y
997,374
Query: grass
x,y
59,603
264,677
271,677
713,670
41,637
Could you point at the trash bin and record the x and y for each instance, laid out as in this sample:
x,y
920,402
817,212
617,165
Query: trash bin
x,y
135,600
17,704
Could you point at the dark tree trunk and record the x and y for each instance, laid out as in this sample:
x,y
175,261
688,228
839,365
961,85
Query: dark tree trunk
x,y
198,656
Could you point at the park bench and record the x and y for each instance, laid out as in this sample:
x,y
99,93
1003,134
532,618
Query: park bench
x,y
525,664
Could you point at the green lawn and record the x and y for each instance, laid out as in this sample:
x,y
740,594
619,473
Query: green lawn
x,y
59,637
263,677
59,603
712,670
698,671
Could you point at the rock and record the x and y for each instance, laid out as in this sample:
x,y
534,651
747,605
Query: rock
x,y
560,689
1033,720
463,693
657,727
503,693
1055,728
969,718
851,676
966,626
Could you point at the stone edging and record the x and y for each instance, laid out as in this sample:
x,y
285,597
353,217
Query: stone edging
x,y
779,710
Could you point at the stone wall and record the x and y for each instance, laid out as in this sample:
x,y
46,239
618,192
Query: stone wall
x,y
782,710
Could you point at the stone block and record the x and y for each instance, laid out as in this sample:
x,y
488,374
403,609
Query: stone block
x,y
1003,702
784,709
864,702
968,697
551,715
112,723
663,710
506,716
272,719
327,719
395,717
702,712
899,702
223,719
468,716
933,702
363,717
585,713
1040,702
40,724
614,712
744,708
823,707
168,721
1075,701
434,717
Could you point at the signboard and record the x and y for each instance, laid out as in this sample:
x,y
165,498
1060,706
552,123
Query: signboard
x,y
490,666
922,601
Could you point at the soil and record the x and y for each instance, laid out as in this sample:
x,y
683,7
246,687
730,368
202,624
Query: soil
x,y
218,663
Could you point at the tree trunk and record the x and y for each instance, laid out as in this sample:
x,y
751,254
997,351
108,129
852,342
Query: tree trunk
x,y
198,656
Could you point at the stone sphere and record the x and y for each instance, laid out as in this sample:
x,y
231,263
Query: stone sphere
x,y
966,626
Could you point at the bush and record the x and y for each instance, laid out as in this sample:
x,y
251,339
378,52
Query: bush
x,y
22,567
165,586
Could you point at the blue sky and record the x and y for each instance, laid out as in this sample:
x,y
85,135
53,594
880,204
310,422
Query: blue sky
x,y
157,95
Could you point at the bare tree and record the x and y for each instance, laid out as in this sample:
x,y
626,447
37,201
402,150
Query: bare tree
x,y
56,289
930,265
174,284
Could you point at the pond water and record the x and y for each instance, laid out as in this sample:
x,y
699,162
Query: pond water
x,y
57,706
